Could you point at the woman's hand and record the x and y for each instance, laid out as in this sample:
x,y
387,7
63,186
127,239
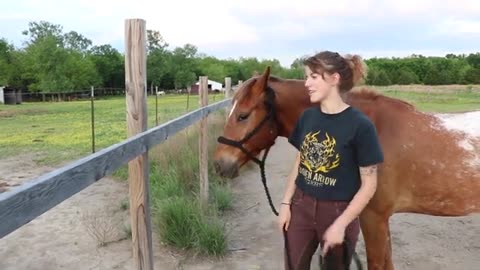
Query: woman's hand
x,y
284,217
334,235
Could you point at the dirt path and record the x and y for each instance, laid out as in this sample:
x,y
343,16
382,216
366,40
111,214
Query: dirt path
x,y
59,239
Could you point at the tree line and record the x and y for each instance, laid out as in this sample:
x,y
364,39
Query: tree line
x,y
52,60
418,69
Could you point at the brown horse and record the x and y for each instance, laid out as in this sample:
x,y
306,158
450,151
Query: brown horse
x,y
428,169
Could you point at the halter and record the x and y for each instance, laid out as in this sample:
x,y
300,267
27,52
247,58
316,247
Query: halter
x,y
271,117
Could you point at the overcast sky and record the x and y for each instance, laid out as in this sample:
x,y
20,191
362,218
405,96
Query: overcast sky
x,y
267,28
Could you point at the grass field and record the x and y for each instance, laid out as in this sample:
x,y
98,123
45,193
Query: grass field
x,y
437,99
57,132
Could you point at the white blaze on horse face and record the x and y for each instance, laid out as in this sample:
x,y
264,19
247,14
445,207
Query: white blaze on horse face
x,y
233,108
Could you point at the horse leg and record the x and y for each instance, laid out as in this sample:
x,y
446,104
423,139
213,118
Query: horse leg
x,y
376,233
388,254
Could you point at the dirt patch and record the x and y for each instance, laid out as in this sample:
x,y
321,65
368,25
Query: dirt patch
x,y
59,238
19,169
12,113
3,186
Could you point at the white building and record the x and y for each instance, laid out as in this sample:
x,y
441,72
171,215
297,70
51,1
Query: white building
x,y
213,85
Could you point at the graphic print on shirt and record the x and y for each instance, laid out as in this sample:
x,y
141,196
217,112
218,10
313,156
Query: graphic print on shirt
x,y
318,157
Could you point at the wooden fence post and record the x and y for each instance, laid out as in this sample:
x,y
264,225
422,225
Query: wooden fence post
x,y
156,105
189,89
92,116
136,99
228,93
203,141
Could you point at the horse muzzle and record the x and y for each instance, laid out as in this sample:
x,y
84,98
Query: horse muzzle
x,y
225,168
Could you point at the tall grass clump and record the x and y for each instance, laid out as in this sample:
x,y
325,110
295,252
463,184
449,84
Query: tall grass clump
x,y
174,183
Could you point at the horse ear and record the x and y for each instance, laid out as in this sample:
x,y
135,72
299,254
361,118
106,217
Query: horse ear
x,y
262,81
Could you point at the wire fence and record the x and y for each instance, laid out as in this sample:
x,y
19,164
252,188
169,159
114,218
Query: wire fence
x,y
67,125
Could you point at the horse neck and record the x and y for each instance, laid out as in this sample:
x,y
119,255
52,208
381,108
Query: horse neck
x,y
291,100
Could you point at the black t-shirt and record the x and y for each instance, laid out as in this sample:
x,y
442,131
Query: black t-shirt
x,y
332,147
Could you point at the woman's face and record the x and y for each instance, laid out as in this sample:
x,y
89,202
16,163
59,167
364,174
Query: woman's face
x,y
318,87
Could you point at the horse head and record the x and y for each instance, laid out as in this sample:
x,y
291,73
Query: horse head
x,y
250,128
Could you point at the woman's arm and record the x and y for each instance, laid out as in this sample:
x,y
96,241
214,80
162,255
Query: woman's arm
x,y
284,213
368,176
369,155
290,187
336,232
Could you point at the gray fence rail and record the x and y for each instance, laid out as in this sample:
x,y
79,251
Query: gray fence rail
x,y
24,203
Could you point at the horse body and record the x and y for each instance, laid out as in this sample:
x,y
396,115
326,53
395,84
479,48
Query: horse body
x,y
429,168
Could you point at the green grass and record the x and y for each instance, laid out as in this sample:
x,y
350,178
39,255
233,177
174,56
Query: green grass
x,y
174,186
179,221
222,198
440,102
62,131
181,224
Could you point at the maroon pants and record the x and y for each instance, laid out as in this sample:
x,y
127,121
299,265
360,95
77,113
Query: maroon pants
x,y
309,220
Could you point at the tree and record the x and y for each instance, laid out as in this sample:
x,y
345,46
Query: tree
x,y
155,41
406,76
184,65
211,67
474,60
43,29
55,68
158,65
77,42
157,57
109,64
184,78
5,61
472,76
380,78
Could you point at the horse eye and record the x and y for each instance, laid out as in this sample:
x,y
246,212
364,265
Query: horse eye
x,y
242,117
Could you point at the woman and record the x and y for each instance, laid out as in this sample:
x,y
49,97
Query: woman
x,y
335,173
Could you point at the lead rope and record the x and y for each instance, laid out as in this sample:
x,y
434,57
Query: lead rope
x,y
264,182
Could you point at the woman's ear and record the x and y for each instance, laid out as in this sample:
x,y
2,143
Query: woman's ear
x,y
336,78
333,78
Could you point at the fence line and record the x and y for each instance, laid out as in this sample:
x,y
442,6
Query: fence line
x,y
92,116
202,144
228,93
16,96
22,204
